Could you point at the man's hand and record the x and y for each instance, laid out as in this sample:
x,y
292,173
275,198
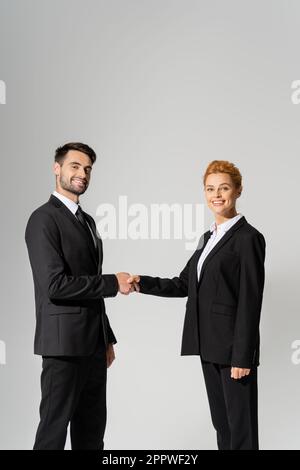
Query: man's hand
x,y
124,287
238,372
134,280
110,355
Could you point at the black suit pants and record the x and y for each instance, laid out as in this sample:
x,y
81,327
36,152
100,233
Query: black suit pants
x,y
233,407
73,392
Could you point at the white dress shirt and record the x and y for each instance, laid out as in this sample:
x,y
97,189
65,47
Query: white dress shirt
x,y
217,232
72,206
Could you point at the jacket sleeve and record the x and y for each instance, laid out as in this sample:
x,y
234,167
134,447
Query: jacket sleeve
x,y
165,287
49,269
110,334
252,278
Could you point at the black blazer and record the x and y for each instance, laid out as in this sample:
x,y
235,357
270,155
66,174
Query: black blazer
x,y
223,308
68,282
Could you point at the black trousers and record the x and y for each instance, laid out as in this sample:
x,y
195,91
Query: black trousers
x,y
233,407
73,392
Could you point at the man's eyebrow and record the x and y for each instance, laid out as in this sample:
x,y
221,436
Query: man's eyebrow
x,y
77,163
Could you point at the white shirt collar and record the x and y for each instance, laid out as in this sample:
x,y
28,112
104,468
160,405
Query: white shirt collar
x,y
71,205
225,226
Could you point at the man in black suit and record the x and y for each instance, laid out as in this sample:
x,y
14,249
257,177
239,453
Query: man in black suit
x,y
73,334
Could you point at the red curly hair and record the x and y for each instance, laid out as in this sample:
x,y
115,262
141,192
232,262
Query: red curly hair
x,y
223,166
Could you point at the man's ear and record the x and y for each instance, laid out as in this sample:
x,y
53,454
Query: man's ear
x,y
56,168
240,191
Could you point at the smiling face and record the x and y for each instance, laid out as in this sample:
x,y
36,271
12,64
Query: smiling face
x,y
221,195
73,174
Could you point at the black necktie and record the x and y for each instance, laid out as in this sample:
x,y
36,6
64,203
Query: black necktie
x,y
81,217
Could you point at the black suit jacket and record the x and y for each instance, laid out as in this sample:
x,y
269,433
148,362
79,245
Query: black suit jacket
x,y
223,308
68,282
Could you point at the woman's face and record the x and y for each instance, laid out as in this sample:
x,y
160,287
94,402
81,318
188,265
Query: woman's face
x,y
221,194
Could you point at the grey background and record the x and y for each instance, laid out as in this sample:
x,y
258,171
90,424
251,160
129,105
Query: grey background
x,y
159,89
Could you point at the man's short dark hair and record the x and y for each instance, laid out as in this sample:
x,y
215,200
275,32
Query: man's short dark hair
x,y
61,152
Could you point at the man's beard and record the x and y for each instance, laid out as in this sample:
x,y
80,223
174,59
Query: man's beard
x,y
72,189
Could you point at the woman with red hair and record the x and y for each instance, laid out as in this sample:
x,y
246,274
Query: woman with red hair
x,y
224,282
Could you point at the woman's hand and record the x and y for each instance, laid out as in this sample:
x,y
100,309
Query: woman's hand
x,y
238,372
134,280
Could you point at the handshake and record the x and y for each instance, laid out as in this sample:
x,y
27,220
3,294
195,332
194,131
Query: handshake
x,y
128,283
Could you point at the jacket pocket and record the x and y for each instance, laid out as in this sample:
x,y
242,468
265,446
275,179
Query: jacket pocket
x,y
223,309
59,309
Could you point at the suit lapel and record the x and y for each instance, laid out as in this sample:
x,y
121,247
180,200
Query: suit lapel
x,y
98,248
220,243
54,200
194,263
